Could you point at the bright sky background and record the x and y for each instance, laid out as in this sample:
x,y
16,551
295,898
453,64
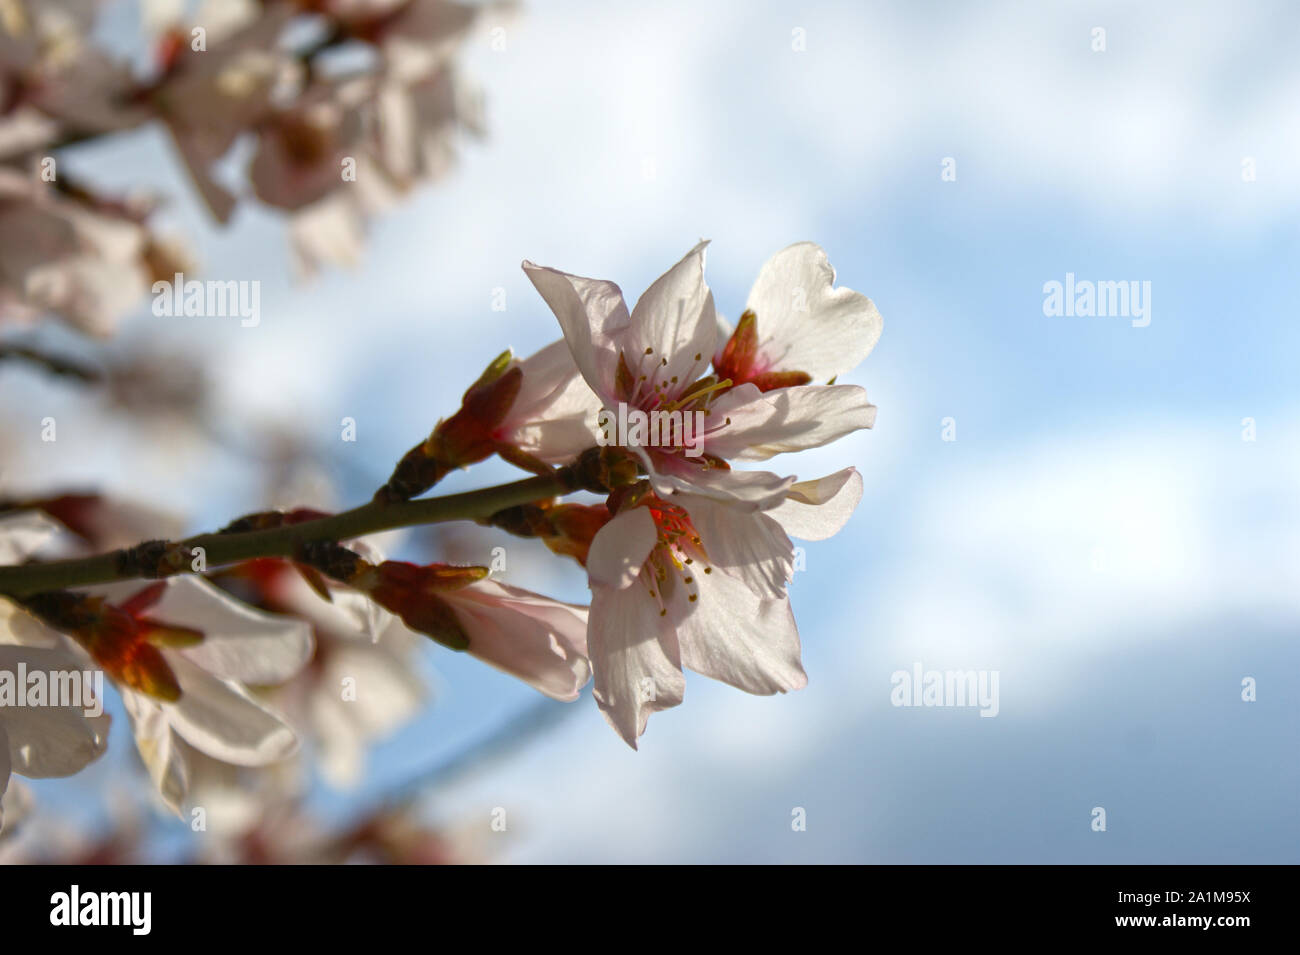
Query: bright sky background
x,y
1099,533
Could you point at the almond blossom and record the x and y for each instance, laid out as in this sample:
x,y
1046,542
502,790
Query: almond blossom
x,y
690,582
183,665
692,569
655,358
85,259
182,654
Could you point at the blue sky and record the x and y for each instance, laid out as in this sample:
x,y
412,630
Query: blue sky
x,y
1099,532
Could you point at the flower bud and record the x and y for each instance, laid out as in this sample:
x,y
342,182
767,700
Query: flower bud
x,y
465,438
411,591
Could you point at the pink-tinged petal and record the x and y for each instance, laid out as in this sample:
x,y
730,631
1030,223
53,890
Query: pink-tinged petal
x,y
750,547
22,534
816,510
790,419
635,659
804,322
741,639
541,641
673,328
47,740
219,718
160,750
620,548
554,415
745,491
587,310
239,642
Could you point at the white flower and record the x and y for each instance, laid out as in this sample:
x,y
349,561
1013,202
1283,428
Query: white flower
x,y
38,740
215,713
44,740
654,360
198,693
88,262
692,582
212,96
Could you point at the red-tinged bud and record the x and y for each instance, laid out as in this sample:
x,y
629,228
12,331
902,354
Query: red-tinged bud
x,y
411,592
741,362
467,437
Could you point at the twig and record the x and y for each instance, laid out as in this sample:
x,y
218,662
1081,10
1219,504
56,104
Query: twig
x,y
154,559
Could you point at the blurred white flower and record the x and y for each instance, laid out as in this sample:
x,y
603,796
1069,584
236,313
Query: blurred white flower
x,y
214,713
48,738
87,260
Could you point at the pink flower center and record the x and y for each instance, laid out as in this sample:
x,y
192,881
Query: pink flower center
x,y
677,559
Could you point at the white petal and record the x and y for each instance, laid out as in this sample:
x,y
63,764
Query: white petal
x,y
635,659
749,546
22,534
219,718
160,750
541,641
804,322
586,309
745,491
239,643
20,627
47,740
554,414
620,548
816,510
790,419
673,322
743,640
546,374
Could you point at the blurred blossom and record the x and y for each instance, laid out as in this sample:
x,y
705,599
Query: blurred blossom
x,y
338,138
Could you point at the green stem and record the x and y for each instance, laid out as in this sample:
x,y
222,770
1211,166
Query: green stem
x,y
221,549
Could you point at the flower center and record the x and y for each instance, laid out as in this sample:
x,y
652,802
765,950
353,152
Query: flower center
x,y
678,556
